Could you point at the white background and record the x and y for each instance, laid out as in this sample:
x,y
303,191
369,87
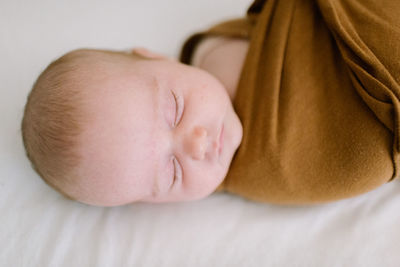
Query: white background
x,y
38,227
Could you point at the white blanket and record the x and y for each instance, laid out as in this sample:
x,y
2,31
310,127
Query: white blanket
x,y
41,228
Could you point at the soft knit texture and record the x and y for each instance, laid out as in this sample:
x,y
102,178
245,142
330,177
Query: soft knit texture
x,y
318,98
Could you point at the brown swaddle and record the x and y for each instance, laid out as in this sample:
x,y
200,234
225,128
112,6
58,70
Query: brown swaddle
x,y
318,98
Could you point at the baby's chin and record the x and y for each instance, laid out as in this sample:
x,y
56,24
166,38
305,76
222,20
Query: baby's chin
x,y
235,131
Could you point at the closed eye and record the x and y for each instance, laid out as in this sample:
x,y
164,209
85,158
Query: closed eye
x,y
178,173
179,106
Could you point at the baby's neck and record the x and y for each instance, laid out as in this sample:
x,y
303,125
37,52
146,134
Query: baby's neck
x,y
222,57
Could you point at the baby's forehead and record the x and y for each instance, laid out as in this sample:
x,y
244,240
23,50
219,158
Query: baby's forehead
x,y
105,80
120,105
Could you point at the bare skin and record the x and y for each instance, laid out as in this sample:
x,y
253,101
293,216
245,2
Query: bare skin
x,y
224,58
154,148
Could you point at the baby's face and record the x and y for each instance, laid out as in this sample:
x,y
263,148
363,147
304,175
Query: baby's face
x,y
158,131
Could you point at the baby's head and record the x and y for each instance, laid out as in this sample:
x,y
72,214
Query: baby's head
x,y
109,128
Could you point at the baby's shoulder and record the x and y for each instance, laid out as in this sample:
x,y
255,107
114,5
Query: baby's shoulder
x,y
205,46
223,57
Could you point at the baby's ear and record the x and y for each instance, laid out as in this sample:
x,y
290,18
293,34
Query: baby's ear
x,y
144,52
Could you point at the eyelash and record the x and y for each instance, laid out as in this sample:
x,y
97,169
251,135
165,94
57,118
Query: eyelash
x,y
178,117
178,108
175,162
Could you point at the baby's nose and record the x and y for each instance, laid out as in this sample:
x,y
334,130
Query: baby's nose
x,y
197,143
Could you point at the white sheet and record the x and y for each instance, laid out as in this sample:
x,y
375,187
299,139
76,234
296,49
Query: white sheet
x,y
41,228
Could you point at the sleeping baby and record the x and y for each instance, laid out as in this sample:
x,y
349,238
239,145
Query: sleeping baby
x,y
295,103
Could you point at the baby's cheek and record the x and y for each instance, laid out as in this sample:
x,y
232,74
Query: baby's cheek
x,y
203,183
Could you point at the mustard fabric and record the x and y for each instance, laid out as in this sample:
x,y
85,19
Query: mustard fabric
x,y
318,98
